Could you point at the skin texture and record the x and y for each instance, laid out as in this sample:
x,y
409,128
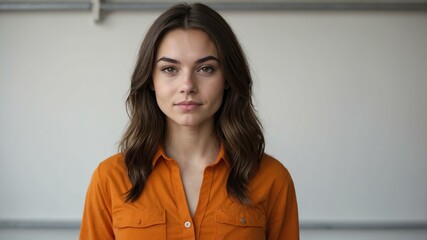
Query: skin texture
x,y
189,87
178,77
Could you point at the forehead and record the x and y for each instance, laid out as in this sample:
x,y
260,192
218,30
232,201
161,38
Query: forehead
x,y
186,43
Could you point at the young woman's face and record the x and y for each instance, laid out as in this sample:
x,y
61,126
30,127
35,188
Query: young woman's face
x,y
187,78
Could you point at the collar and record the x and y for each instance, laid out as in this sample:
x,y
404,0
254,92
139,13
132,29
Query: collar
x,y
222,156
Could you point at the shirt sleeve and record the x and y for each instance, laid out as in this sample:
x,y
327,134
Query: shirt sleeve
x,y
283,221
97,222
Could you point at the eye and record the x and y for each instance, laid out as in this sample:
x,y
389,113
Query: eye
x,y
206,69
168,70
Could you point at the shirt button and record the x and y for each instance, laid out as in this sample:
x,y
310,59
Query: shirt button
x,y
243,220
187,224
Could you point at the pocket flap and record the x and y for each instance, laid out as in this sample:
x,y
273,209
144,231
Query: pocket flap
x,y
140,217
241,216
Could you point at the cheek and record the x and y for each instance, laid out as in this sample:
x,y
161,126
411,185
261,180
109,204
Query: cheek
x,y
161,96
217,95
161,90
218,90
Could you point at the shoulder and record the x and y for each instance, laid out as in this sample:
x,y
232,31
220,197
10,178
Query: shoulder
x,y
114,162
111,169
272,182
272,168
272,175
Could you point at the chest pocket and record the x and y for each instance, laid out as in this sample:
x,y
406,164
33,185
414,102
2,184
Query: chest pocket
x,y
133,224
239,222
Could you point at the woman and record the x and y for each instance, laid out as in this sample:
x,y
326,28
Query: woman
x,y
192,162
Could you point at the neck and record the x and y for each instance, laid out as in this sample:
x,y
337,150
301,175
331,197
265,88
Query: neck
x,y
191,145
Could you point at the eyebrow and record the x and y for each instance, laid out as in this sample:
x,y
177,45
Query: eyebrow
x,y
201,60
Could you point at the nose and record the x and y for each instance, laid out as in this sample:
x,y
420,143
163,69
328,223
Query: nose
x,y
187,84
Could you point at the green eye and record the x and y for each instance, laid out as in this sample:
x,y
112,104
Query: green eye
x,y
206,69
169,70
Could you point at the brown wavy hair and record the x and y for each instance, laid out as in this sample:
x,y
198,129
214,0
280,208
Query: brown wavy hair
x,y
236,123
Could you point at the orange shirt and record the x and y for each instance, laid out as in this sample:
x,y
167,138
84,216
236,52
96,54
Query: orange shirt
x,y
161,212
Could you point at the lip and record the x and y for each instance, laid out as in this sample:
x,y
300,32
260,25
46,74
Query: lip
x,y
187,105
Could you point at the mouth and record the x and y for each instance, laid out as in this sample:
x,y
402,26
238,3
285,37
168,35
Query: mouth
x,y
188,105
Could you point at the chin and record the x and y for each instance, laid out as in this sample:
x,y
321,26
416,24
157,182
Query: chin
x,y
190,122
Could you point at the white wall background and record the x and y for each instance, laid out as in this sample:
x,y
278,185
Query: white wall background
x,y
342,96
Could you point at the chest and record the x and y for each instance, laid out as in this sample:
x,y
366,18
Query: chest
x,y
192,179
164,210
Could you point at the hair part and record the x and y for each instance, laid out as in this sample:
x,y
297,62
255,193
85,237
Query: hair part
x,y
236,123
